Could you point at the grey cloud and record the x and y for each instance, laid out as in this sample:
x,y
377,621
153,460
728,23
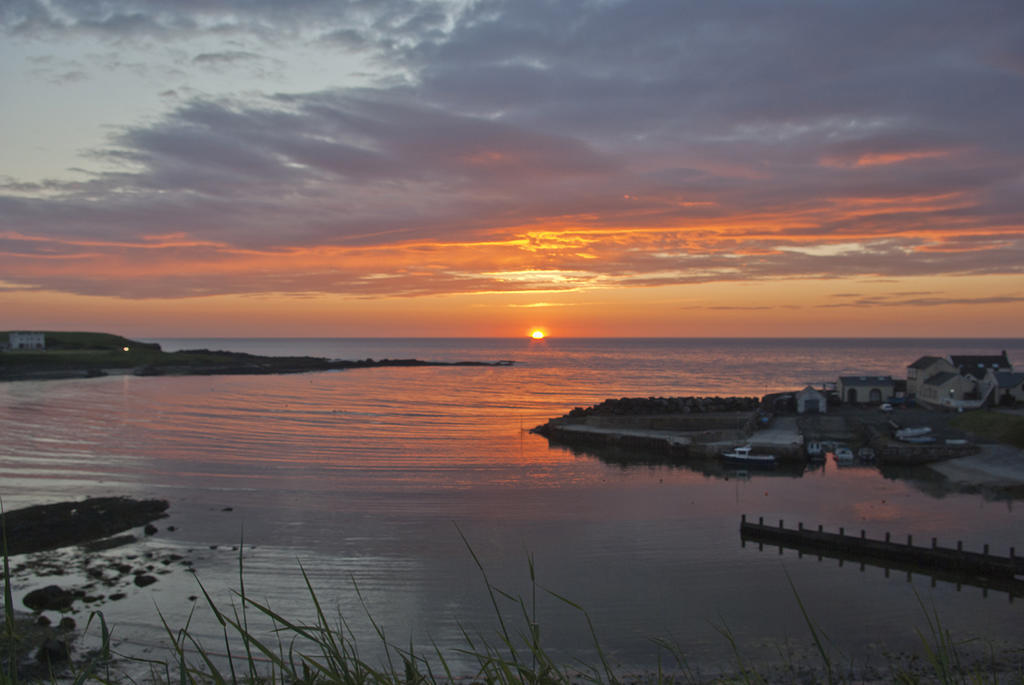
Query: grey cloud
x,y
227,57
734,127
926,301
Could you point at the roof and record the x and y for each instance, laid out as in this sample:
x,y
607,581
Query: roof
x,y
810,391
849,381
981,361
1005,379
940,378
925,362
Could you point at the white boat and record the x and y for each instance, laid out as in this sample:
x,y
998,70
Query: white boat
x,y
745,455
905,433
815,452
843,455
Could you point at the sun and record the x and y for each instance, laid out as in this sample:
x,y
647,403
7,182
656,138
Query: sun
x,y
537,334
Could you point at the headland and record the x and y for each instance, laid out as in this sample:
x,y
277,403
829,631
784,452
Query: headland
x,y
90,355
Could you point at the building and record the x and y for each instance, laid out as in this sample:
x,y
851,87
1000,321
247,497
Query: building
x,y
866,389
20,340
977,364
923,369
1010,387
959,391
811,401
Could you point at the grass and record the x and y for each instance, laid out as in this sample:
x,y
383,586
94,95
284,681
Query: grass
x,y
322,650
993,425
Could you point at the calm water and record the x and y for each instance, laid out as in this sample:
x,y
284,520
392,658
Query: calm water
x,y
366,478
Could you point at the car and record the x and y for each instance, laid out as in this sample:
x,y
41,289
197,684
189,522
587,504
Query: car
x,y
886,407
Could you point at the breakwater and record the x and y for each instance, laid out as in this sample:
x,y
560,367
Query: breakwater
x,y
648,406
958,565
675,427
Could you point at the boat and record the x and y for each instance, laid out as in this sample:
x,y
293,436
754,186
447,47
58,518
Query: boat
x,y
744,455
815,452
906,433
843,455
919,439
866,454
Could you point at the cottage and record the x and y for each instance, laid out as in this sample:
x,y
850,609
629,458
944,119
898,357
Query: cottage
x,y
866,389
811,401
1010,387
955,390
20,340
925,368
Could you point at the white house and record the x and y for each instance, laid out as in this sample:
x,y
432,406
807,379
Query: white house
x,y
866,389
954,390
20,340
811,401
923,369
1011,386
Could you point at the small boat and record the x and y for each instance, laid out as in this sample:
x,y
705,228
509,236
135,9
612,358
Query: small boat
x,y
866,454
815,452
843,455
745,455
906,433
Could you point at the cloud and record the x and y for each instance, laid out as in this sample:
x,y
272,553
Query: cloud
x,y
586,144
884,301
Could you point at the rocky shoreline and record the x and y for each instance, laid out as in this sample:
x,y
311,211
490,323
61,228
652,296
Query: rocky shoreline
x,y
73,539
206,363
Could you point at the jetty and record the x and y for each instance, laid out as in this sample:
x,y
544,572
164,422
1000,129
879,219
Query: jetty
x,y
955,565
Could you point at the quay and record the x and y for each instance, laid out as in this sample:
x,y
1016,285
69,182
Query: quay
x,y
907,555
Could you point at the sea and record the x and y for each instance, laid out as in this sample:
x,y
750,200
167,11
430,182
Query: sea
x,y
415,502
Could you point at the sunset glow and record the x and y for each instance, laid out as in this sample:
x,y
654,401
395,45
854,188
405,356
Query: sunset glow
x,y
537,335
424,169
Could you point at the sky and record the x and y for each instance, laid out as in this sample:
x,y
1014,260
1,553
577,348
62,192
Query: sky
x,y
363,168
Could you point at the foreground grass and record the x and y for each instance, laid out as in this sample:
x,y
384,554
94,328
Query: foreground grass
x,y
319,650
993,425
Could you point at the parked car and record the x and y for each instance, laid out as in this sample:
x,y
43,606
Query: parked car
x,y
886,407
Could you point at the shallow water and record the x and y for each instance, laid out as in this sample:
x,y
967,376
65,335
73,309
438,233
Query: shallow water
x,y
371,478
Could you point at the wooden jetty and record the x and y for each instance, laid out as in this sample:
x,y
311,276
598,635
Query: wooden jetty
x,y
953,564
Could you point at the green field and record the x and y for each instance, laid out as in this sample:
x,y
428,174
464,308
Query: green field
x,y
993,425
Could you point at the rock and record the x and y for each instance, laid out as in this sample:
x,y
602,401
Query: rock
x,y
116,596
150,529
49,598
67,623
142,580
49,526
53,652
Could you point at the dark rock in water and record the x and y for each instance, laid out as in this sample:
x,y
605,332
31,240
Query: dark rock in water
x,y
49,598
42,621
142,580
67,623
53,652
116,596
49,526
150,529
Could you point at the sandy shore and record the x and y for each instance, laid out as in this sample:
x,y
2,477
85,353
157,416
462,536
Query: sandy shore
x,y
997,466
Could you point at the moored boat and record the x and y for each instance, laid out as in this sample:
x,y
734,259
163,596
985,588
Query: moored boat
x,y
744,455
815,452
